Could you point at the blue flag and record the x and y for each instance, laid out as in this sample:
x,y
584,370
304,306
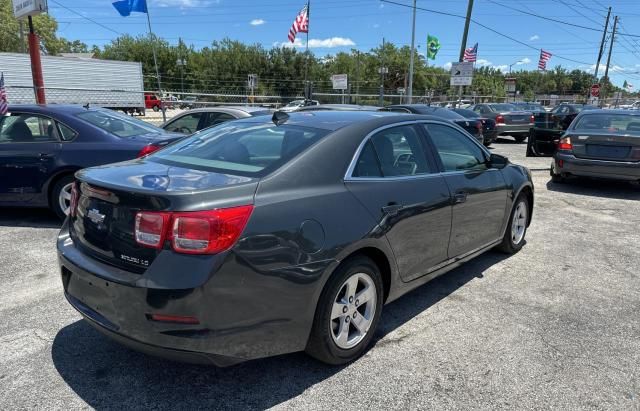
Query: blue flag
x,y
125,7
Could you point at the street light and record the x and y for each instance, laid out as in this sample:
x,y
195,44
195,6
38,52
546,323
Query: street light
x,y
181,62
513,64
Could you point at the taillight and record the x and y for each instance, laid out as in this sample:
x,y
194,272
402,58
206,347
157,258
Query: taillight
x,y
565,144
150,228
635,153
74,199
500,119
532,119
479,125
196,232
148,149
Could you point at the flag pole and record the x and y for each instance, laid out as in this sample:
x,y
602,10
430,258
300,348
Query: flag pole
x,y
307,89
155,63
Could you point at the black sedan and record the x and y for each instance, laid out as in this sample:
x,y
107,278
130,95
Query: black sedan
x,y
600,143
472,126
489,130
510,120
257,238
197,119
549,127
41,146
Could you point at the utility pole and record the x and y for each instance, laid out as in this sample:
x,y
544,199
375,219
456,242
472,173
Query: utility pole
x,y
463,45
357,75
383,69
604,38
606,70
413,51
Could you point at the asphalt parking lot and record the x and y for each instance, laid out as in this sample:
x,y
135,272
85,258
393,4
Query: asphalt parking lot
x,y
554,326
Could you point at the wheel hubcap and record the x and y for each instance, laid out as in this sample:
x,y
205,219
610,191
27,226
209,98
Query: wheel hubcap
x,y
519,223
64,198
353,310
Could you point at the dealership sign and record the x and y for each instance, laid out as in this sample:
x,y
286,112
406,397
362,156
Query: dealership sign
x,y
23,8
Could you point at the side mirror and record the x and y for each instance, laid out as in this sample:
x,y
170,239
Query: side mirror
x,y
497,161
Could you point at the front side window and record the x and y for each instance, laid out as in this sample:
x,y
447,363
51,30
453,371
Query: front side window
x,y
118,124
456,151
26,128
187,124
218,118
247,149
393,152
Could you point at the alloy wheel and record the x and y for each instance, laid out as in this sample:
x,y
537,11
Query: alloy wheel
x,y
64,198
519,222
353,310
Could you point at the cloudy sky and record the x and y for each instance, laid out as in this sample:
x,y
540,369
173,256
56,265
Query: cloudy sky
x,y
509,36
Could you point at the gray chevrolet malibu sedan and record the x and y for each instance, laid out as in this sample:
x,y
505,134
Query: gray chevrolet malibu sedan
x,y
599,143
265,236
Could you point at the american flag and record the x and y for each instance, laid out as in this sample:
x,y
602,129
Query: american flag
x,y
471,54
544,57
4,106
300,24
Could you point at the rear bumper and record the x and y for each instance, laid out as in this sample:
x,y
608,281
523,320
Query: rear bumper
x,y
508,129
243,313
617,170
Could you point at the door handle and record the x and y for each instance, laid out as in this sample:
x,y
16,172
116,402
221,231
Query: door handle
x,y
392,209
460,197
45,156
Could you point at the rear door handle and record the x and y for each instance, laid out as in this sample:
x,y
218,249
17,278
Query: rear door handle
x,y
392,209
44,156
459,197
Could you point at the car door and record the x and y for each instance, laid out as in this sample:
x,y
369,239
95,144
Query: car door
x,y
396,179
547,130
29,145
479,192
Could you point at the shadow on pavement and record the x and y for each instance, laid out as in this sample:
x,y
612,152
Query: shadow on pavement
x,y
620,190
28,217
107,375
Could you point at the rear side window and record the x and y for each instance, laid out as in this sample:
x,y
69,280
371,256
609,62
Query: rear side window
x,y
247,149
393,152
187,124
66,133
26,128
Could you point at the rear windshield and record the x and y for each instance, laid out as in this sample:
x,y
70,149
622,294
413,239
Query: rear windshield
x,y
609,123
581,107
530,107
503,107
260,113
247,149
441,112
118,124
467,113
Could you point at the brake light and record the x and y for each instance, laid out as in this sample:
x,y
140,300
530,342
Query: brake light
x,y
150,229
148,149
532,119
565,144
500,119
74,199
196,232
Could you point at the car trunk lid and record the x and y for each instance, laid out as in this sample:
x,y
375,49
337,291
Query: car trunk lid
x,y
606,146
103,226
516,117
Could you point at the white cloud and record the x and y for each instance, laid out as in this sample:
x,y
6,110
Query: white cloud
x,y
501,67
446,66
257,22
534,37
525,60
483,62
331,42
184,4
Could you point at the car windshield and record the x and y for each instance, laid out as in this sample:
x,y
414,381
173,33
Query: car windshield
x,y
503,107
467,113
118,124
580,107
627,124
295,103
440,112
241,148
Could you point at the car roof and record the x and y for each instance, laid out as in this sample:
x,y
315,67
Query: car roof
x,y
331,120
343,107
610,111
246,109
68,109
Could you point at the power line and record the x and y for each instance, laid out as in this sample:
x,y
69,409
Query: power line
x,y
87,18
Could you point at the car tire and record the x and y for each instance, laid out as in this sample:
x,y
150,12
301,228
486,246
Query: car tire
x,y
514,235
61,196
520,137
556,178
335,337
